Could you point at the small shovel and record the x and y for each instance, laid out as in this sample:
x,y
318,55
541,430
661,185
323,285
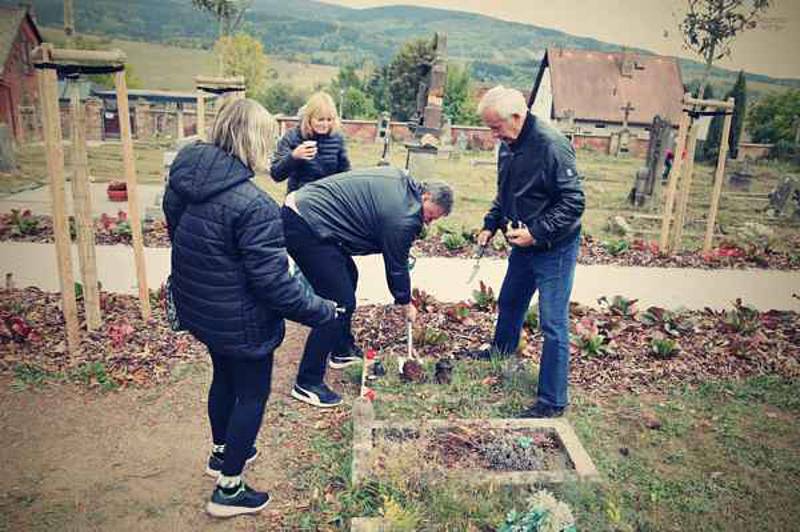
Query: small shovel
x,y
401,361
477,265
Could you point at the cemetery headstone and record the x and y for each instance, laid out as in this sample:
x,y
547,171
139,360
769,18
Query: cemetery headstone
x,y
8,162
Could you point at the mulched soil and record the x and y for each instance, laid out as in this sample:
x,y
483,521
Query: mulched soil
x,y
132,351
643,253
736,343
110,230
709,344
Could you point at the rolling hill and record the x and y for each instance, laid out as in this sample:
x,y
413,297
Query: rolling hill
x,y
307,31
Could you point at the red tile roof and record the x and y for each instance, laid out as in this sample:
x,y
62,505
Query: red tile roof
x,y
591,84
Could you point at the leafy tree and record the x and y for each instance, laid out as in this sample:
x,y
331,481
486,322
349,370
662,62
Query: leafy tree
x,y
346,78
458,103
739,93
709,148
282,98
714,139
409,67
378,89
773,119
710,26
229,13
357,104
242,55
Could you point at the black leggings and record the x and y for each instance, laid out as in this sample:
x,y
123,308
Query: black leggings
x,y
239,390
333,275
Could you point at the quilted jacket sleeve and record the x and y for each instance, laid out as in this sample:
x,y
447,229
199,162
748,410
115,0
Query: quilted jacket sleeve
x,y
259,237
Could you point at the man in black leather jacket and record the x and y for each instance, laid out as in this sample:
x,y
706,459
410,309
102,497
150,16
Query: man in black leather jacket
x,y
362,212
538,207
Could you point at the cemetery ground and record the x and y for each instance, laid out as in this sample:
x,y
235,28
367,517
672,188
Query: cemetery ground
x,y
691,417
742,220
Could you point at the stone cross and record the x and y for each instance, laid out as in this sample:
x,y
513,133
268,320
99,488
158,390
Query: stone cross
x,y
627,108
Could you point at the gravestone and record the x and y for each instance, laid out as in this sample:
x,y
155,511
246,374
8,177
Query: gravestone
x,y
8,162
741,176
785,198
649,175
427,120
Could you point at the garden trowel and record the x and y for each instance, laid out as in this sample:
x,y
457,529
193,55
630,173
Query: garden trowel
x,y
401,361
477,265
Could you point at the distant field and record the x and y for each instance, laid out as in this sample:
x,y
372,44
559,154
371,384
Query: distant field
x,y
163,67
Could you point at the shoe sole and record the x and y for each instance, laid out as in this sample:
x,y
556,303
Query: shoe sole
x,y
215,472
221,510
340,365
313,401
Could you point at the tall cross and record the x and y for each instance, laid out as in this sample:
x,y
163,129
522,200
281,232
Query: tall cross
x,y
627,108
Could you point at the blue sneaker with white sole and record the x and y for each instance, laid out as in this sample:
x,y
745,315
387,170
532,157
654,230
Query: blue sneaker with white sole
x,y
243,500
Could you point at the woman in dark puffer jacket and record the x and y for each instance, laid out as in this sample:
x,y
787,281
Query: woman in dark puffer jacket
x,y
314,149
231,286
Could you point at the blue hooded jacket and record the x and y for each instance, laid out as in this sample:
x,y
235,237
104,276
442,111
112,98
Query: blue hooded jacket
x,y
230,275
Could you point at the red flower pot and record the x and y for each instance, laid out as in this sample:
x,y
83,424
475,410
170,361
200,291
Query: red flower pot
x,y
117,191
117,195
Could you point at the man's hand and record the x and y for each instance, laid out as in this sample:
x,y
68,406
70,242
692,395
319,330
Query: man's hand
x,y
411,312
484,237
520,237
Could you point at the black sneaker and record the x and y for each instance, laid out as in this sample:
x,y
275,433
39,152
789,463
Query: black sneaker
x,y
541,410
215,461
354,355
245,500
318,395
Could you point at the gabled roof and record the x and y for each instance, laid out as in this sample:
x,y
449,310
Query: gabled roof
x,y
10,20
590,84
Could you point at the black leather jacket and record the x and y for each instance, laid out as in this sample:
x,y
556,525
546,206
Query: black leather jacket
x,y
538,185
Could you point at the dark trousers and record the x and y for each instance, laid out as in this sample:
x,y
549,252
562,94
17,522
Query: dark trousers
x,y
239,391
551,272
333,275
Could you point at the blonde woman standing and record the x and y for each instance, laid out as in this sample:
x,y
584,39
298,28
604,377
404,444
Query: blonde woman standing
x,y
231,286
314,149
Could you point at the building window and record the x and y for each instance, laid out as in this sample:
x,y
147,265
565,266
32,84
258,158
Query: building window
x,y
600,126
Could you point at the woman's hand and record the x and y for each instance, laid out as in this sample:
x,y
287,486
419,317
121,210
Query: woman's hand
x,y
305,151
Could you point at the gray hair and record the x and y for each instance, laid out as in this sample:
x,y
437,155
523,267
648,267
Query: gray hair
x,y
244,129
441,194
504,101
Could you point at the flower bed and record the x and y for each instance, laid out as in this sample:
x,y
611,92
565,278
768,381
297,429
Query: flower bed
x,y
126,350
616,348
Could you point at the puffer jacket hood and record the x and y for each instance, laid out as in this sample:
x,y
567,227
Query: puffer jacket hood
x,y
202,170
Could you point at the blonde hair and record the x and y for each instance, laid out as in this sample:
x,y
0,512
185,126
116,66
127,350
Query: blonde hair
x,y
504,101
318,104
244,129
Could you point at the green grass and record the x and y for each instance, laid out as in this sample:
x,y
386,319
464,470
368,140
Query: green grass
x,y
29,376
726,457
607,181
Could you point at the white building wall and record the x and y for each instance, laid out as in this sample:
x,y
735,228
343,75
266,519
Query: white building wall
x,y
543,104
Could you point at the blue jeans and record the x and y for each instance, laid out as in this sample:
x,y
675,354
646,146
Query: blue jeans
x,y
552,273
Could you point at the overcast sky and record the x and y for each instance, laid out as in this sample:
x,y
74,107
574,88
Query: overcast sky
x,y
650,24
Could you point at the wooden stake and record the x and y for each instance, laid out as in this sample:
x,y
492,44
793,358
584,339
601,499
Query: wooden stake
x,y
179,122
201,115
672,184
686,187
134,216
82,201
51,121
719,177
